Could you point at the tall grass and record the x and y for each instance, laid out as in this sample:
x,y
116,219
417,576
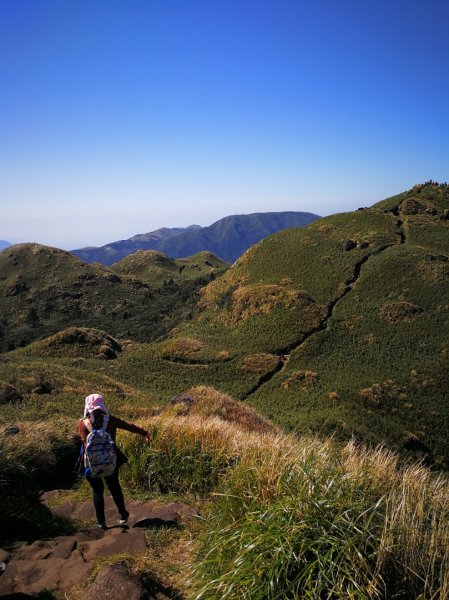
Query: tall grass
x,y
296,518
187,456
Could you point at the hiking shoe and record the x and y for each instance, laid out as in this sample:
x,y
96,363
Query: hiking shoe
x,y
124,518
102,526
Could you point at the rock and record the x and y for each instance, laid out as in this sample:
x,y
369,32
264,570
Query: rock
x,y
43,387
116,540
182,399
115,582
142,514
8,393
11,430
32,575
349,245
49,495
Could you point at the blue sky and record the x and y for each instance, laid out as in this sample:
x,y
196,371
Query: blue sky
x,y
120,117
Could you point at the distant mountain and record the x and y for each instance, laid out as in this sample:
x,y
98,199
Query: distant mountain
x,y
230,237
4,244
115,251
227,238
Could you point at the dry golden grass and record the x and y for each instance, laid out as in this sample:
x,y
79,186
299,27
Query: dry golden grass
x,y
386,392
183,349
249,301
416,526
260,363
434,270
209,402
74,341
301,378
398,312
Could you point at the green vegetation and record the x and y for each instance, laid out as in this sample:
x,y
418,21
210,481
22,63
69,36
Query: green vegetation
x,y
337,330
44,290
281,517
32,457
157,269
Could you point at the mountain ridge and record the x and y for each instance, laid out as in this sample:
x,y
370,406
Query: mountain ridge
x,y
227,238
115,251
231,236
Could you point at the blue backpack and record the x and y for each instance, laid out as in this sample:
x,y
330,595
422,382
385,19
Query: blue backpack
x,y
100,457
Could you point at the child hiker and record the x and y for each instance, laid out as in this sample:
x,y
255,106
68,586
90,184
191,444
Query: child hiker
x,y
103,427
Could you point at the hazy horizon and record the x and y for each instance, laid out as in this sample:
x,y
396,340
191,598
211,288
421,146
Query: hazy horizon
x,y
121,118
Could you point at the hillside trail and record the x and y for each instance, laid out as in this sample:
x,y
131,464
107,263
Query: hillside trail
x,y
62,563
349,284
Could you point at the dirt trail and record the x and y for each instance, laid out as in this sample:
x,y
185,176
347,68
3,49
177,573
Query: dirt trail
x,y
59,563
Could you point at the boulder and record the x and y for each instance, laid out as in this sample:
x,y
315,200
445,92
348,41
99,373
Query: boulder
x,y
349,245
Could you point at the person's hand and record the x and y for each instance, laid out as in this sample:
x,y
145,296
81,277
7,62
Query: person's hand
x,y
148,438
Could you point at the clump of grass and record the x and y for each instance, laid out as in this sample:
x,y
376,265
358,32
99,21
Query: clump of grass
x,y
260,363
290,524
261,299
395,312
183,349
209,402
186,456
303,378
300,519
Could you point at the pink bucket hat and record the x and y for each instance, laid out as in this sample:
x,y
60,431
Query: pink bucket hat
x,y
94,402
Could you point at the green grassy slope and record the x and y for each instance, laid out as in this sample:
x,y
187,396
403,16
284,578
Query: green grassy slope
x,y
269,301
43,290
379,367
155,268
340,327
337,328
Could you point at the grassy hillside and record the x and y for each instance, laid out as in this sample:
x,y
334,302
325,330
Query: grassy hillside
x,y
156,268
281,517
44,290
338,328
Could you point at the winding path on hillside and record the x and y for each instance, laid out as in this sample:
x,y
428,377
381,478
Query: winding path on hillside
x,y
349,284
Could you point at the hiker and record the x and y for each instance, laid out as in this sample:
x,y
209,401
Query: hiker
x,y
96,417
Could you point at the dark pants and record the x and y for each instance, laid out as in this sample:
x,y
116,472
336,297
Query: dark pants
x,y
113,484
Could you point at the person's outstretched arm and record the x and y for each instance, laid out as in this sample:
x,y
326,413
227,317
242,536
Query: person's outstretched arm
x,y
121,424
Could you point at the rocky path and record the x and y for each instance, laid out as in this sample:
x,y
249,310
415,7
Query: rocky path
x,y
59,563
